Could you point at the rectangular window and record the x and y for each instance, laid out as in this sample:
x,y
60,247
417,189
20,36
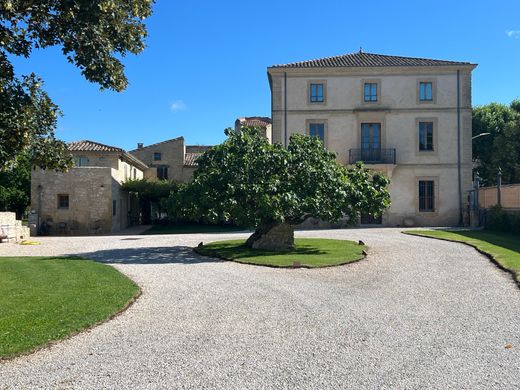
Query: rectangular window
x,y
162,173
426,91
316,94
114,207
370,92
157,156
426,195
82,161
426,136
317,130
63,201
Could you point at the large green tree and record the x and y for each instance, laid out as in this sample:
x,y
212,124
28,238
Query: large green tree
x,y
15,186
501,148
271,188
93,35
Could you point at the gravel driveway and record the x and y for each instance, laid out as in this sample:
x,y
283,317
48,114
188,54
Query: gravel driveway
x,y
417,313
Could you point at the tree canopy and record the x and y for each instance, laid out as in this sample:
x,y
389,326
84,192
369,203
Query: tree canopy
x,y
260,185
93,35
501,148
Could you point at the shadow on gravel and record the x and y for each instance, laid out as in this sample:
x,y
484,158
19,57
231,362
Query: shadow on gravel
x,y
156,255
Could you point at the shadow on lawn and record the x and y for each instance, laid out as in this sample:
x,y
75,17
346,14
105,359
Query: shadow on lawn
x,y
242,251
505,240
149,255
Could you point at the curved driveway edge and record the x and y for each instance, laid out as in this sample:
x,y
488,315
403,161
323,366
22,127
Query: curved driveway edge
x,y
417,313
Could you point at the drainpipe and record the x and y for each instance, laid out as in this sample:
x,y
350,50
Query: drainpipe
x,y
459,174
285,107
499,187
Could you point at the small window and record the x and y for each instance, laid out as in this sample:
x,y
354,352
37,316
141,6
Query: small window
x,y
162,173
114,207
135,173
63,201
82,161
157,156
317,130
126,171
426,136
317,93
370,92
426,91
426,195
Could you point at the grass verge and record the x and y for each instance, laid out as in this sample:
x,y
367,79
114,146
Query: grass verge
x,y
45,299
501,248
308,252
191,229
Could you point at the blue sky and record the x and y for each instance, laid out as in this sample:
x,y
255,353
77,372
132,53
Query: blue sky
x,y
205,64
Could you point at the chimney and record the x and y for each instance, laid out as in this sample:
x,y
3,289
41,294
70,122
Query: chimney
x,y
139,145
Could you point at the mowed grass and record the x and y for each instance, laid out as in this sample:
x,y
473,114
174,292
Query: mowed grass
x,y
44,299
503,247
191,229
308,252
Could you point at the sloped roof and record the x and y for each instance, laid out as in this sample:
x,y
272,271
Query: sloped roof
x,y
91,146
361,59
157,143
255,121
190,159
197,148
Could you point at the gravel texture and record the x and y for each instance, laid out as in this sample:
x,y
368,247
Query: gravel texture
x,y
417,313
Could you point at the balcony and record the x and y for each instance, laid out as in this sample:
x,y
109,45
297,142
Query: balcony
x,y
372,156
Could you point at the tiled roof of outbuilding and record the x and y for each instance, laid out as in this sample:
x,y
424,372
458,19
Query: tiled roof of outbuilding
x,y
197,148
91,146
190,159
255,121
363,60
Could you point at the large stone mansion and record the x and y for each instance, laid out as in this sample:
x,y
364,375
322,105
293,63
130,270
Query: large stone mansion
x,y
407,117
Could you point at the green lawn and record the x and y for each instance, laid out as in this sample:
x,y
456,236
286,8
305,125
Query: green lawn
x,y
309,252
503,247
191,228
44,299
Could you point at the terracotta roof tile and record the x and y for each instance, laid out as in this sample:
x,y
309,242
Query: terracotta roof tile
x,y
361,59
91,146
255,121
190,159
197,148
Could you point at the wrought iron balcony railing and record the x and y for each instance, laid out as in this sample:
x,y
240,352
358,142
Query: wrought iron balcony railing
x,y
372,156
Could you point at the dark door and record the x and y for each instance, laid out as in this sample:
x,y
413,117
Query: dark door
x,y
371,142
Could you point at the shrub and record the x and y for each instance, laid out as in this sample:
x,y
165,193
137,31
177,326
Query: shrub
x,y
497,219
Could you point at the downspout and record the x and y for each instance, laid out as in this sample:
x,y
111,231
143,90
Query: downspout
x,y
285,107
459,173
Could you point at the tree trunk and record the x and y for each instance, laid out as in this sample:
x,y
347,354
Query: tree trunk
x,y
278,237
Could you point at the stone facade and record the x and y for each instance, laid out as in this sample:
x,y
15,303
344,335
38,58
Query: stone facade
x,y
87,199
11,229
171,159
397,112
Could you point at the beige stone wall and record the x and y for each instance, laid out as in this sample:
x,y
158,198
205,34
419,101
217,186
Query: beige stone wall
x,y
398,111
509,196
172,156
90,191
12,228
